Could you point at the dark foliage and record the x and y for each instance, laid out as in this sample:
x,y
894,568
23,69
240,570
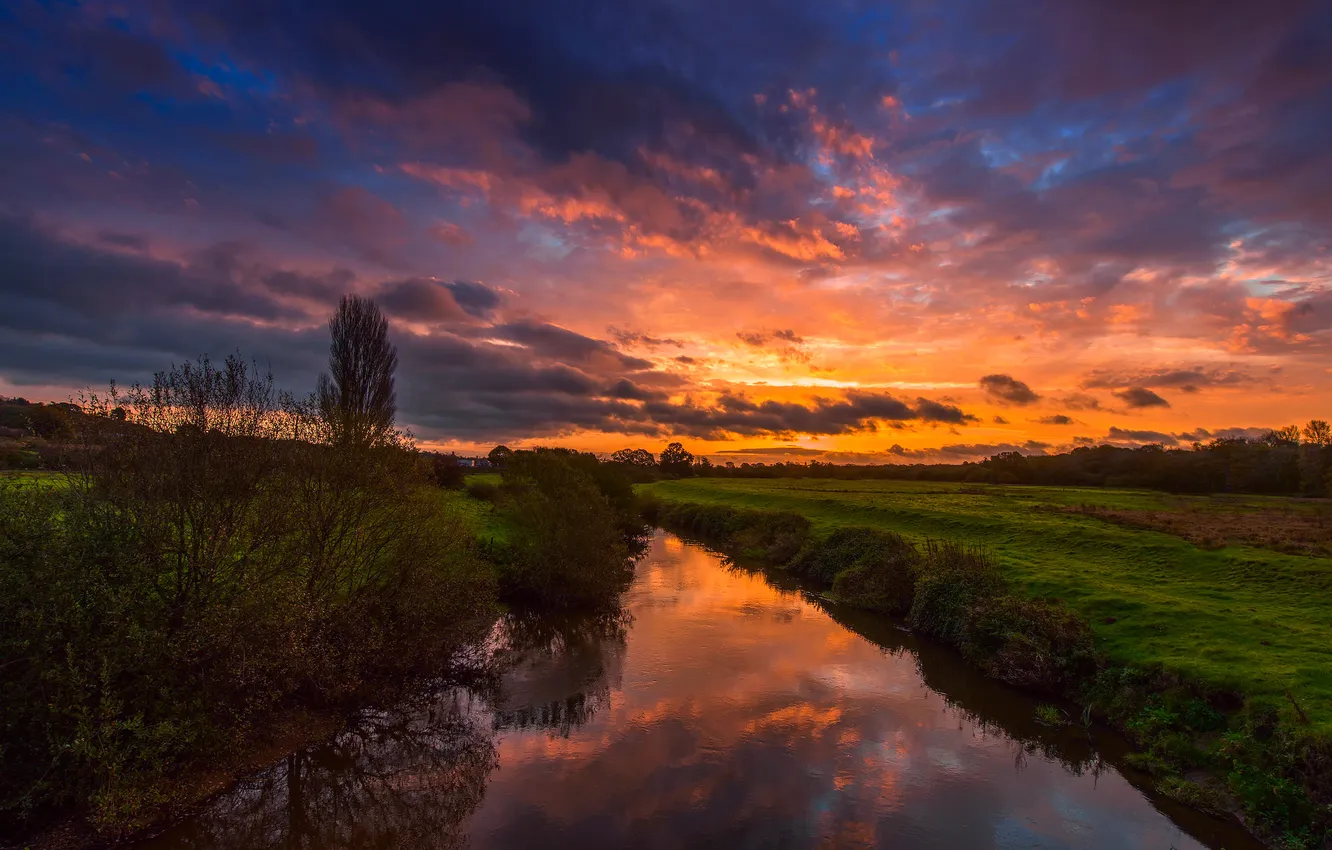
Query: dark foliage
x,y
1029,643
772,536
575,522
446,472
638,465
847,547
499,456
358,401
881,573
955,581
676,461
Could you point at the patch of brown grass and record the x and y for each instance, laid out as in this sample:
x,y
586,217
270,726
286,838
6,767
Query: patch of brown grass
x,y
1292,529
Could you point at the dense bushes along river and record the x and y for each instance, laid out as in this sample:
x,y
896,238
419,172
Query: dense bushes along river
x,y
215,559
1279,778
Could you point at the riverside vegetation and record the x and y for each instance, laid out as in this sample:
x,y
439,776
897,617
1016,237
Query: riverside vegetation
x,y
1215,662
217,555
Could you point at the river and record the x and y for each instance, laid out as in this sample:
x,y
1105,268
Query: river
x,y
720,708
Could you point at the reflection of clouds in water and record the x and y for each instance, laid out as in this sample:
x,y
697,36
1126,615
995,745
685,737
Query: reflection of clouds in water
x,y
747,717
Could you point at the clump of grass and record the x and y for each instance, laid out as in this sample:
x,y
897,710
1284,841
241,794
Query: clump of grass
x,y
1029,643
1049,715
878,572
955,580
771,536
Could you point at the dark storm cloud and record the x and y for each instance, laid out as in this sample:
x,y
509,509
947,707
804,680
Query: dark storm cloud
x,y
1140,397
560,343
624,337
1008,388
759,339
421,300
1202,435
1181,378
1121,435
858,411
1081,401
68,282
128,241
477,299
608,78
786,451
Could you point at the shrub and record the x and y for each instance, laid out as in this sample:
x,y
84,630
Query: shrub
x,y
882,573
446,472
954,581
1028,643
843,548
483,491
569,547
774,537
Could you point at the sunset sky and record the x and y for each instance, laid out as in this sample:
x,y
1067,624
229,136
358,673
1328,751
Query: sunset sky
x,y
878,232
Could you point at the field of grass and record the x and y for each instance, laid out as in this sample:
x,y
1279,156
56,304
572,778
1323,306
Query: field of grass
x,y
485,520
39,478
1254,620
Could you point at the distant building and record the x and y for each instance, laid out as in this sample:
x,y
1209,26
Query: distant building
x,y
474,462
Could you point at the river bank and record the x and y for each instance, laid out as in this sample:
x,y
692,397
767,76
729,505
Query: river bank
x,y
1208,746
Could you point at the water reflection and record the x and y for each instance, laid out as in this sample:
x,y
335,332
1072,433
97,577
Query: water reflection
x,y
403,778
717,709
559,671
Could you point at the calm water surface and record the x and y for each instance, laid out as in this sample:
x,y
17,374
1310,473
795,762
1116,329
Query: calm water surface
x,y
717,710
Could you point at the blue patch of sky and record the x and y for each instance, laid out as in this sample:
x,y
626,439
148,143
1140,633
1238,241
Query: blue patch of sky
x,y
544,240
223,71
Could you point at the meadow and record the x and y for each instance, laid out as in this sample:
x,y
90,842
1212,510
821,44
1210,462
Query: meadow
x,y
1231,614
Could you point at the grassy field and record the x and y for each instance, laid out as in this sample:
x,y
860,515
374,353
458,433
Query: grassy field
x,y
38,478
1255,620
486,522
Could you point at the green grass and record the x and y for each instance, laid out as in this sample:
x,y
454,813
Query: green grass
x,y
36,478
1246,619
487,523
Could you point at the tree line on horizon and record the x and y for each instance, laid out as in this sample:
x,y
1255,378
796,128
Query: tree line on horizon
x,y
1291,460
1284,461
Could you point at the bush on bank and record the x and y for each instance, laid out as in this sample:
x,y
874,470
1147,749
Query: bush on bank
x,y
1279,777
575,529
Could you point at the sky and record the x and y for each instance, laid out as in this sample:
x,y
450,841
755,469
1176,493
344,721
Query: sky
x,y
858,232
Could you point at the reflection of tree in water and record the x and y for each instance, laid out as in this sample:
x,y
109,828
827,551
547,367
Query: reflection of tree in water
x,y
559,670
411,776
405,778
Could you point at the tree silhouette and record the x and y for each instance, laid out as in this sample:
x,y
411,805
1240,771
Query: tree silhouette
x,y
676,460
1318,432
634,457
358,402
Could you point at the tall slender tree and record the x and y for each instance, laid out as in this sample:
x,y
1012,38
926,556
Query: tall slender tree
x,y
358,400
